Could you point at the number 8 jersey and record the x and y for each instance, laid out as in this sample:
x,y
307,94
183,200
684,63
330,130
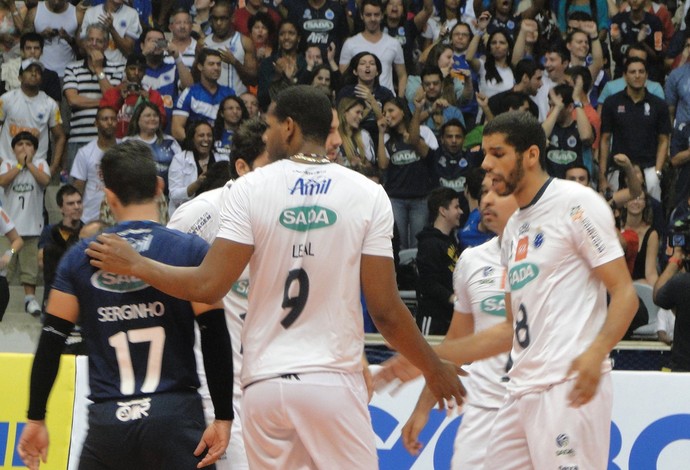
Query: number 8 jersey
x,y
309,224
550,248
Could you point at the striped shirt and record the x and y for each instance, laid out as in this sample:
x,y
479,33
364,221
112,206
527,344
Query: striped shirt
x,y
79,77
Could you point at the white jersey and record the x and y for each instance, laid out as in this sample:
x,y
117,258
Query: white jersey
x,y
23,197
20,112
310,226
125,22
228,74
87,167
57,52
479,285
550,249
201,216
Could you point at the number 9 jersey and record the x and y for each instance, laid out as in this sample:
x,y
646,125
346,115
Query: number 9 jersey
x,y
549,249
309,225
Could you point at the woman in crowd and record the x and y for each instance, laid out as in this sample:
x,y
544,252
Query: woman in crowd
x,y
403,145
188,168
361,80
358,149
324,78
495,74
145,126
231,113
262,31
284,67
637,216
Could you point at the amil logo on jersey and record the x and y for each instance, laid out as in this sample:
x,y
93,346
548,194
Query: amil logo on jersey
x,y
302,219
310,186
116,283
522,274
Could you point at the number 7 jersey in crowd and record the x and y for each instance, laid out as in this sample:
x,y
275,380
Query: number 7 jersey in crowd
x,y
550,248
309,224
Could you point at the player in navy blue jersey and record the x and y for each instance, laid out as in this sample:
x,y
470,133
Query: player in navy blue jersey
x,y
142,373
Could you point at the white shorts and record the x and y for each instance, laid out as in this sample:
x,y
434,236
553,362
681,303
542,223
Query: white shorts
x,y
235,457
469,450
309,421
540,431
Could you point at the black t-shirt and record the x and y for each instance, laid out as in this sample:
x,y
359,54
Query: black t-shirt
x,y
564,149
451,170
319,27
676,294
408,174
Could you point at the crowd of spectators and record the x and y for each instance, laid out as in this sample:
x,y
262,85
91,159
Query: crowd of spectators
x,y
412,82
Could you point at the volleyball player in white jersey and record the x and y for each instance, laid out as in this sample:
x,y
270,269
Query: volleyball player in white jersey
x,y
316,233
562,255
479,285
201,216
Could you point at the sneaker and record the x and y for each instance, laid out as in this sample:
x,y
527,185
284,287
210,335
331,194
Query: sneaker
x,y
32,308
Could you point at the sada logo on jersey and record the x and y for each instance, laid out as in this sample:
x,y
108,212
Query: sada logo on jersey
x,y
302,219
495,305
116,283
522,274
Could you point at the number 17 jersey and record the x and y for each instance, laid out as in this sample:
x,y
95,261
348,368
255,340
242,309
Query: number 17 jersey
x,y
309,224
559,306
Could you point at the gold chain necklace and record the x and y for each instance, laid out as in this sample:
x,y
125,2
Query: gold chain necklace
x,y
311,158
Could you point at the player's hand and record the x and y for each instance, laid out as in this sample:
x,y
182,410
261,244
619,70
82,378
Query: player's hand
x,y
415,424
586,368
444,383
112,253
395,368
33,444
215,439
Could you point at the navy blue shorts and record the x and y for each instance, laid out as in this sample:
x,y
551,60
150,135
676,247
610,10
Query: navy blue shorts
x,y
157,431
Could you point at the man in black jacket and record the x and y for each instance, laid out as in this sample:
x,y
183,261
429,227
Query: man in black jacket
x,y
436,257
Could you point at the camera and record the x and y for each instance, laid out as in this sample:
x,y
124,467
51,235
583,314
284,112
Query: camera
x,y
135,87
162,44
680,233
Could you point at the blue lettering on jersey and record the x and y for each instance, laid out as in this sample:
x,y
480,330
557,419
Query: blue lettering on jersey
x,y
311,186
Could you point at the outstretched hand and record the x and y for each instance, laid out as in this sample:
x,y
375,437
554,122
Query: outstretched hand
x,y
112,253
33,444
215,439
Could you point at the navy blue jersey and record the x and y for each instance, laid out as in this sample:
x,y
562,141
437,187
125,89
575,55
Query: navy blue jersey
x,y
140,340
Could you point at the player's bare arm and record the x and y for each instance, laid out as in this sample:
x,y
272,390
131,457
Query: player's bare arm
x,y
34,442
395,323
208,282
622,307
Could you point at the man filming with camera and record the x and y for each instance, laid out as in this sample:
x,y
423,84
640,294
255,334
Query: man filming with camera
x,y
125,97
672,291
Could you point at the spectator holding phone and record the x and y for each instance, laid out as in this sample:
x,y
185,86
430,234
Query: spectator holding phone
x,y
125,97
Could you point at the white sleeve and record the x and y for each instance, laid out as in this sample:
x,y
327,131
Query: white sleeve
x,y
80,170
429,137
176,180
346,53
463,302
55,117
399,58
378,239
369,148
662,320
235,218
593,228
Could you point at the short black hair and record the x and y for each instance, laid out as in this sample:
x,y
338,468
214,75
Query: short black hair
x,y
217,174
565,92
559,48
373,3
633,60
575,71
455,122
575,165
33,37
309,108
580,15
130,172
474,182
526,67
521,130
440,197
431,69
147,30
25,135
65,190
247,143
